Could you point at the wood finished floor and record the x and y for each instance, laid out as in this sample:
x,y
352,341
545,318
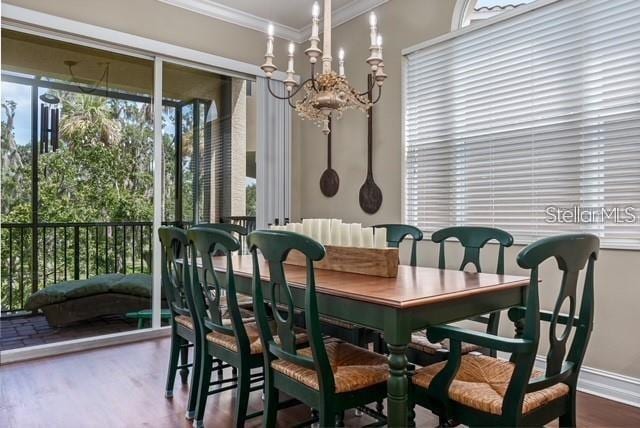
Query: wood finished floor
x,y
122,386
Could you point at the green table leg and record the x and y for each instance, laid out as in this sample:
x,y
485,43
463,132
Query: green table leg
x,y
397,386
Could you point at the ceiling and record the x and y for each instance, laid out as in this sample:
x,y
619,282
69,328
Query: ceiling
x,y
291,18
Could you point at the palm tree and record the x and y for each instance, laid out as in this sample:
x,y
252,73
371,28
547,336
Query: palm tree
x,y
88,120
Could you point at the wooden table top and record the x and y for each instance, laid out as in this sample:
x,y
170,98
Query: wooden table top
x,y
414,286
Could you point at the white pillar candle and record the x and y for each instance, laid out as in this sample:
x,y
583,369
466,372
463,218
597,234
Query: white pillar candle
x,y
306,227
325,231
315,13
379,45
335,231
345,235
315,229
326,38
381,237
292,51
270,31
367,237
373,24
341,62
335,235
356,235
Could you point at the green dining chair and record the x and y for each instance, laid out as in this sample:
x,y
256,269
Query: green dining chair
x,y
479,390
473,239
330,375
396,233
240,233
224,331
174,248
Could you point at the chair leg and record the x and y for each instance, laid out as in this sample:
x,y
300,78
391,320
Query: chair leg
x,y
203,387
184,359
271,401
327,415
568,419
195,380
174,354
242,395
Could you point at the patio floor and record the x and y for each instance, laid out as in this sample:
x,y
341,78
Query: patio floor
x,y
30,330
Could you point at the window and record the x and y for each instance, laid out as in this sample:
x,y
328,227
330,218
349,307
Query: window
x,y
531,124
469,12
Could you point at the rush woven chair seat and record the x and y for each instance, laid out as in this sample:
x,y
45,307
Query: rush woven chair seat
x,y
484,391
421,343
481,383
253,334
329,376
353,367
187,321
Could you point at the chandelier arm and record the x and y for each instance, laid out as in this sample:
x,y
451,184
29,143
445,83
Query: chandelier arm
x,y
287,97
313,77
369,88
379,95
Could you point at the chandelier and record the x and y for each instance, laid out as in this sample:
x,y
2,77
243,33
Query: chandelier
x,y
328,91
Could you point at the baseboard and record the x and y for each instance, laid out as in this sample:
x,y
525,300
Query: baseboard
x,y
84,344
612,386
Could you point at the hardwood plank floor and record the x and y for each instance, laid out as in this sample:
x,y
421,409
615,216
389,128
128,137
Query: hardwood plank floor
x,y
123,386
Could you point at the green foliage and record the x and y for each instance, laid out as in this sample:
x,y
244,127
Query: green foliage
x,y
251,199
102,171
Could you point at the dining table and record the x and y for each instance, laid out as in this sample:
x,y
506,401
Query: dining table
x,y
418,297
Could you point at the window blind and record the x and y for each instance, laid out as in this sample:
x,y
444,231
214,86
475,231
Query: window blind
x,y
530,124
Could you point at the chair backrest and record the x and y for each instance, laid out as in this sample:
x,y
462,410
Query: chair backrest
x,y
396,233
473,238
275,247
208,285
226,227
175,275
237,230
572,253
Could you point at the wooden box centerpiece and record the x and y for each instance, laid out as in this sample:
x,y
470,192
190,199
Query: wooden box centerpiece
x,y
366,261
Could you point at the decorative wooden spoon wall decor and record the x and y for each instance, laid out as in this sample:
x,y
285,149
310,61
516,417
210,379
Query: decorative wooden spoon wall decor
x,y
329,181
370,193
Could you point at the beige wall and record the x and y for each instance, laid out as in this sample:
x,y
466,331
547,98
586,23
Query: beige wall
x,y
404,23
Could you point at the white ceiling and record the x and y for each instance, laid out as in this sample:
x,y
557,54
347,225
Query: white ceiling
x,y
291,18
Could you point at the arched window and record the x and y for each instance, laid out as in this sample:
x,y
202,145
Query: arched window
x,y
468,12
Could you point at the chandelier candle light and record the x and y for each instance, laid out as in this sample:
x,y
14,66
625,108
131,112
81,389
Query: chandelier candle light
x,y
326,92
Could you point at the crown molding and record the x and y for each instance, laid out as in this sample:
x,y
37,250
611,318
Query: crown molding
x,y
235,16
231,15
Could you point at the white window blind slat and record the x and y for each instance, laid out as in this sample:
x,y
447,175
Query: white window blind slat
x,y
539,112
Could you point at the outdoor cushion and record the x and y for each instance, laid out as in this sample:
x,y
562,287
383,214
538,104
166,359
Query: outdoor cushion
x,y
75,289
135,284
